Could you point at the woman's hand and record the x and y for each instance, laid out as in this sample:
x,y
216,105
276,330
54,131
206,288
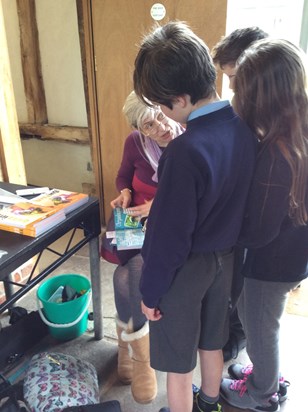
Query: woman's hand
x,y
141,210
123,200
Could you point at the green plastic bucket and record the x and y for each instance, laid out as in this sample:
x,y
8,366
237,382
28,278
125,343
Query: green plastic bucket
x,y
66,320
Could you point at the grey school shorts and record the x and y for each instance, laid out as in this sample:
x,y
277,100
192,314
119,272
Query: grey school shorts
x,y
195,312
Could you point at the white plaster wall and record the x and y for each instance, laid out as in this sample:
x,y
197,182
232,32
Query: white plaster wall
x,y
61,165
61,61
51,163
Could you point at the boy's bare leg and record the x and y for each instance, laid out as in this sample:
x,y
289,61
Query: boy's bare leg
x,y
211,363
179,389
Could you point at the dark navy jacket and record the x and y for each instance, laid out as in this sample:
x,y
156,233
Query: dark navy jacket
x,y
204,177
277,249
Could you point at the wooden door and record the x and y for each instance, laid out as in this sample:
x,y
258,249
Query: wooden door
x,y
118,27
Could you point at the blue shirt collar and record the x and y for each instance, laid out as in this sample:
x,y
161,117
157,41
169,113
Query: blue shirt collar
x,y
208,108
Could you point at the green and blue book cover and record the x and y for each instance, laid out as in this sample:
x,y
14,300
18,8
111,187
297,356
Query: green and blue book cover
x,y
129,232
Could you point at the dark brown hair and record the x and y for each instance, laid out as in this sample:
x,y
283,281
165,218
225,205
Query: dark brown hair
x,y
173,61
271,97
230,47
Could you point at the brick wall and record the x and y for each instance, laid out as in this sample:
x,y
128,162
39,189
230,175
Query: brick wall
x,y
20,275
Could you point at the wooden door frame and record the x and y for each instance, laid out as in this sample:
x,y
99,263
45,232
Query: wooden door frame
x,y
84,13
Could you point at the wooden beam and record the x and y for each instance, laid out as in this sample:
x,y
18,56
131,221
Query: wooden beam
x,y
3,169
11,157
31,62
54,132
88,69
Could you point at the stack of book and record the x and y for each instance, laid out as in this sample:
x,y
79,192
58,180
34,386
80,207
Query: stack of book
x,y
29,219
39,214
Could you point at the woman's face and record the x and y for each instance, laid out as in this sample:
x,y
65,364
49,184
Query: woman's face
x,y
158,127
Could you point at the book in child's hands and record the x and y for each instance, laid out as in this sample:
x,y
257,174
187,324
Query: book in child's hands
x,y
29,219
129,232
61,199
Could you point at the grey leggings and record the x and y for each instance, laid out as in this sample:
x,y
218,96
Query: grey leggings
x,y
127,296
260,307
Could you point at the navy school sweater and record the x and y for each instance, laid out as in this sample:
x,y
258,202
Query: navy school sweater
x,y
204,177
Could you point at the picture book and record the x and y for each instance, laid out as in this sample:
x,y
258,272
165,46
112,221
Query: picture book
x,y
129,239
61,199
38,228
28,218
123,220
128,232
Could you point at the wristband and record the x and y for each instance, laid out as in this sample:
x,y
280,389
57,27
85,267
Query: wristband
x,y
126,188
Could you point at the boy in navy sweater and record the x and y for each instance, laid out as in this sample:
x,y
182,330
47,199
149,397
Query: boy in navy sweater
x,y
204,177
225,55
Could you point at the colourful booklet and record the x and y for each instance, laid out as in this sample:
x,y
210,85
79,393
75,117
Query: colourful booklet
x,y
61,199
129,232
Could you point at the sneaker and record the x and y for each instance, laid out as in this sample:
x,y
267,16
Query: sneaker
x,y
239,372
201,406
235,393
196,408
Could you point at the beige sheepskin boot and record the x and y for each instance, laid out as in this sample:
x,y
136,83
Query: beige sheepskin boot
x,y
125,363
144,384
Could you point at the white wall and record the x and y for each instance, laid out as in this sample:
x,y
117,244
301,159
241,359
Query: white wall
x,y
61,165
279,18
50,163
61,61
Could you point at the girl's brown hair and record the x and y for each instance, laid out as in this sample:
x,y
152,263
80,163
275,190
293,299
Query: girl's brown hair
x,y
271,97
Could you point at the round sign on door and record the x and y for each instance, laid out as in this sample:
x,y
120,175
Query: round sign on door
x,y
158,11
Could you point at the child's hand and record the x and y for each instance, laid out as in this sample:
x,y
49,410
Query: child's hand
x,y
141,210
151,313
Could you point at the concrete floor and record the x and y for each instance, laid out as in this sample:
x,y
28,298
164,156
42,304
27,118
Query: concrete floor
x,y
103,354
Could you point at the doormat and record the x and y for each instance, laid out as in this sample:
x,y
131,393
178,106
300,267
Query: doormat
x,y
297,303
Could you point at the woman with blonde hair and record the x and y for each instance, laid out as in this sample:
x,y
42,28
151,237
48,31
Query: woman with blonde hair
x,y
137,183
271,96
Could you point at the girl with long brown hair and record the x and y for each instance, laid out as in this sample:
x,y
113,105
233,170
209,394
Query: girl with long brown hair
x,y
271,96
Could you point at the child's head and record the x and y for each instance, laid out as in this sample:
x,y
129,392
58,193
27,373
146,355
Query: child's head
x,y
173,61
226,52
271,89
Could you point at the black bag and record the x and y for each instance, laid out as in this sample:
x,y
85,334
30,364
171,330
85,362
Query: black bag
x,y
13,405
109,406
18,338
11,396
